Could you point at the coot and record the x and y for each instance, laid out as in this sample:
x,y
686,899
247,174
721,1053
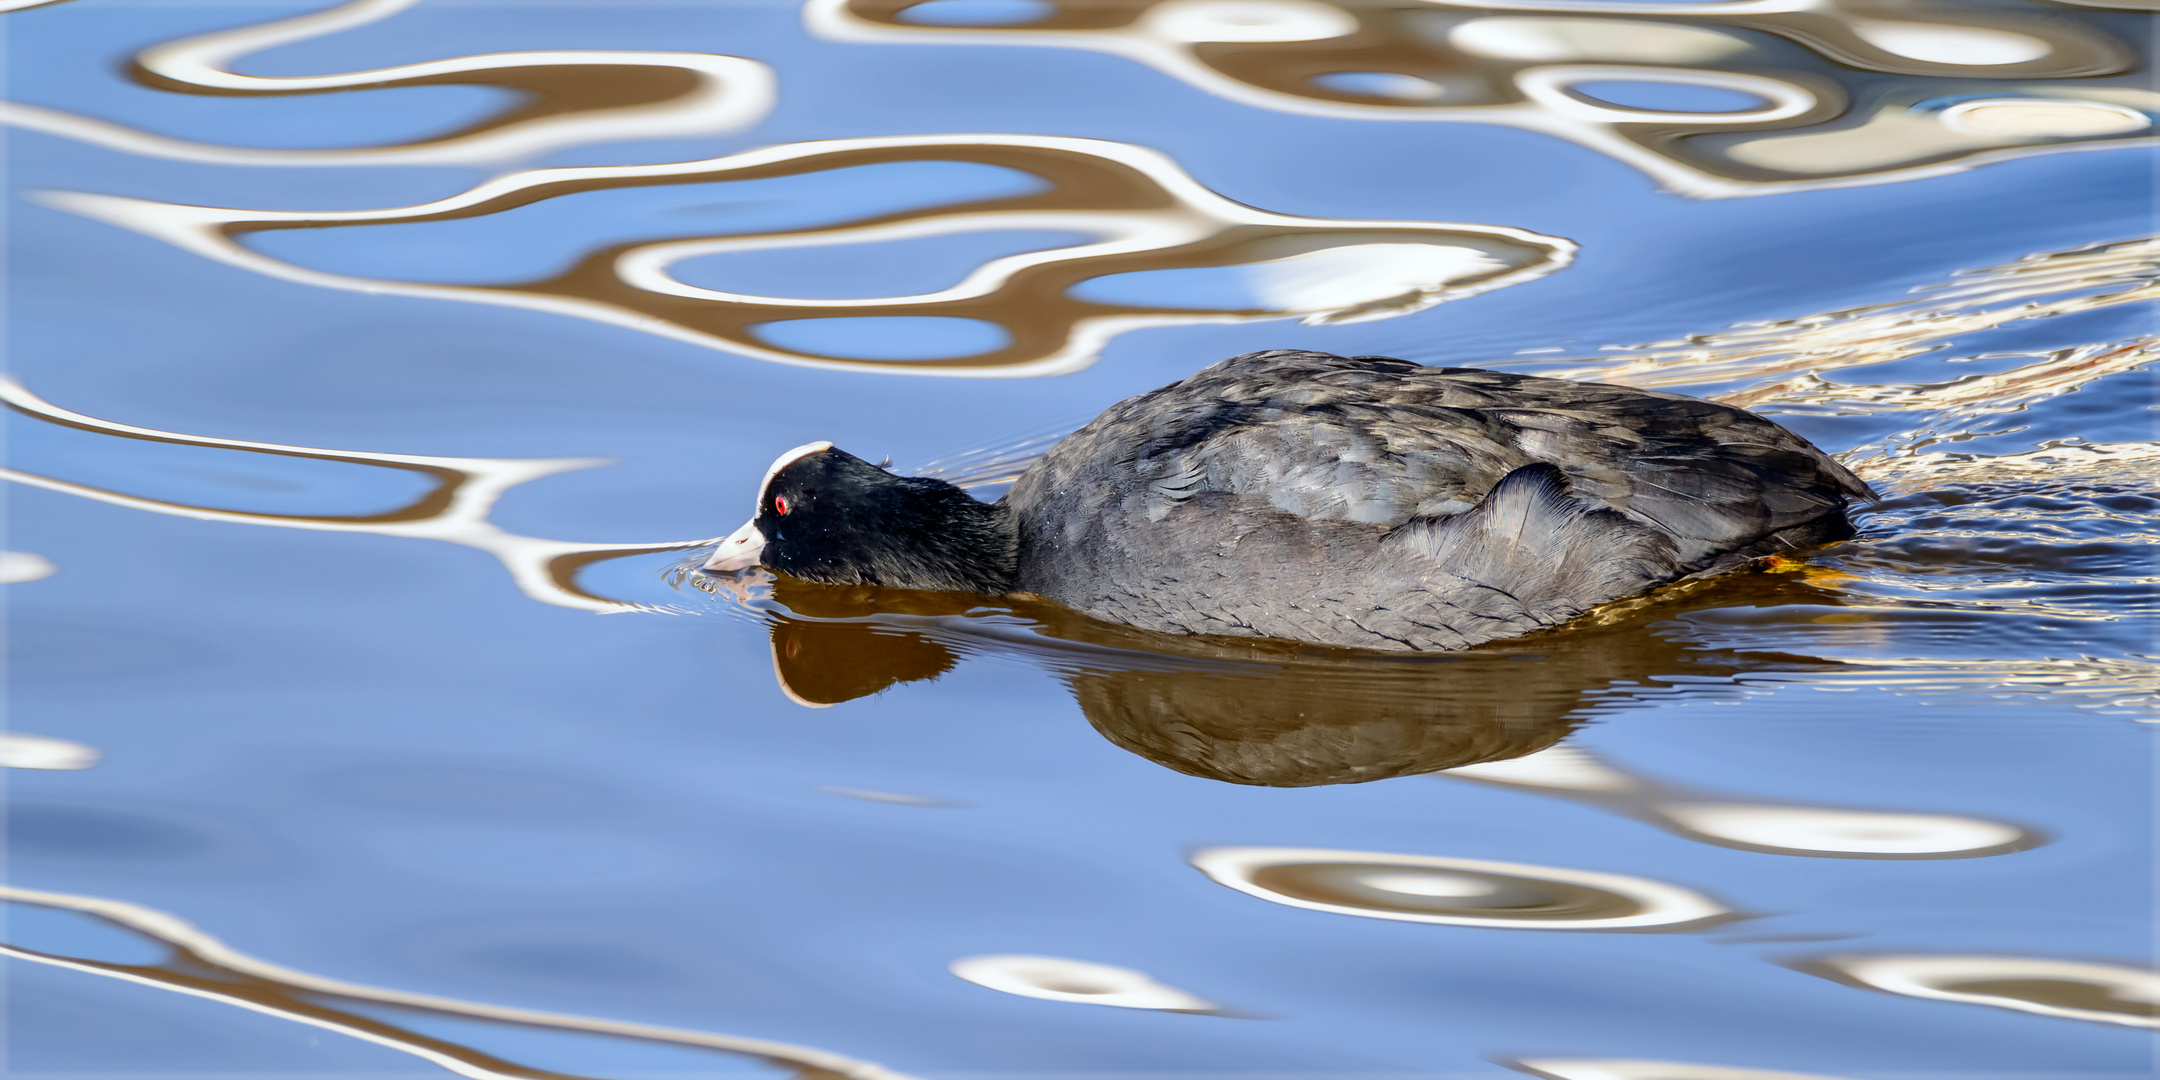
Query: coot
x,y
1363,501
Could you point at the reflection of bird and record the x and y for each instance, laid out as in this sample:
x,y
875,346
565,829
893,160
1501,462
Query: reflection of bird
x,y
840,651
1272,713
1348,720
1360,502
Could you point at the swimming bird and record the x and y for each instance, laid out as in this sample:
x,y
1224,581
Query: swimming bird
x,y
1363,502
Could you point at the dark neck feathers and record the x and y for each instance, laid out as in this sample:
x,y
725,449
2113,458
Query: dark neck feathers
x,y
936,536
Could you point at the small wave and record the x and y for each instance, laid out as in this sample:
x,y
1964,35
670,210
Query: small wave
x,y
565,97
1712,100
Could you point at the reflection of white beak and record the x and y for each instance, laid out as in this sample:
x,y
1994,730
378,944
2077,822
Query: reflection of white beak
x,y
739,551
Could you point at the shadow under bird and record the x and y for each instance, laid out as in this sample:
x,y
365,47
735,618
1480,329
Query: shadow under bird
x,y
1361,502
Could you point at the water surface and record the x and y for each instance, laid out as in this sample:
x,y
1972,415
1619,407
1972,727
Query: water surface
x,y
362,355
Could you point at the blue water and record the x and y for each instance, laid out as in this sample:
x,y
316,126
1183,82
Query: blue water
x,y
370,757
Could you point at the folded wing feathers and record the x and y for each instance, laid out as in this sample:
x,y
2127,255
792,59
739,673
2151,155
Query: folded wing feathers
x,y
1383,442
1531,540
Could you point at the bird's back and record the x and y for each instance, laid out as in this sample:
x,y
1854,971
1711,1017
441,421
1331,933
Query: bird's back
x,y
1353,501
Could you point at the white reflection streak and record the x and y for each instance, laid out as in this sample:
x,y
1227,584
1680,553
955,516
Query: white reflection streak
x,y
2123,686
1957,978
22,751
1166,44
2036,287
177,932
1960,46
1567,768
1639,1069
1657,905
1772,828
530,561
1081,982
1196,212
2129,460
1792,353
17,567
1972,396
2041,118
1547,38
730,93
1146,42
1343,278
1900,456
646,267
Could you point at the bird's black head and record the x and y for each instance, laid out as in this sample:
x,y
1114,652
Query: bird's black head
x,y
827,516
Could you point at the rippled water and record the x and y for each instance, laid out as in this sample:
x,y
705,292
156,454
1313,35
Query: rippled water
x,y
545,285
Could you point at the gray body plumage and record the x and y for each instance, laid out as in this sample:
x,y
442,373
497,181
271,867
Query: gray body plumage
x,y
1373,503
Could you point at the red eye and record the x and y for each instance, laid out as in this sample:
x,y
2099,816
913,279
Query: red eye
x,y
779,504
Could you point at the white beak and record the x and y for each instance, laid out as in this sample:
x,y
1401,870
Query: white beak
x,y
739,551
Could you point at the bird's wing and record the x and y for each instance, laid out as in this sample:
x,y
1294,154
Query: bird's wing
x,y
1714,477
1384,442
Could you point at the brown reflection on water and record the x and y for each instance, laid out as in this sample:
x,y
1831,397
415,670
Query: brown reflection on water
x,y
563,98
1272,713
455,510
1140,209
1842,93
2100,992
203,966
